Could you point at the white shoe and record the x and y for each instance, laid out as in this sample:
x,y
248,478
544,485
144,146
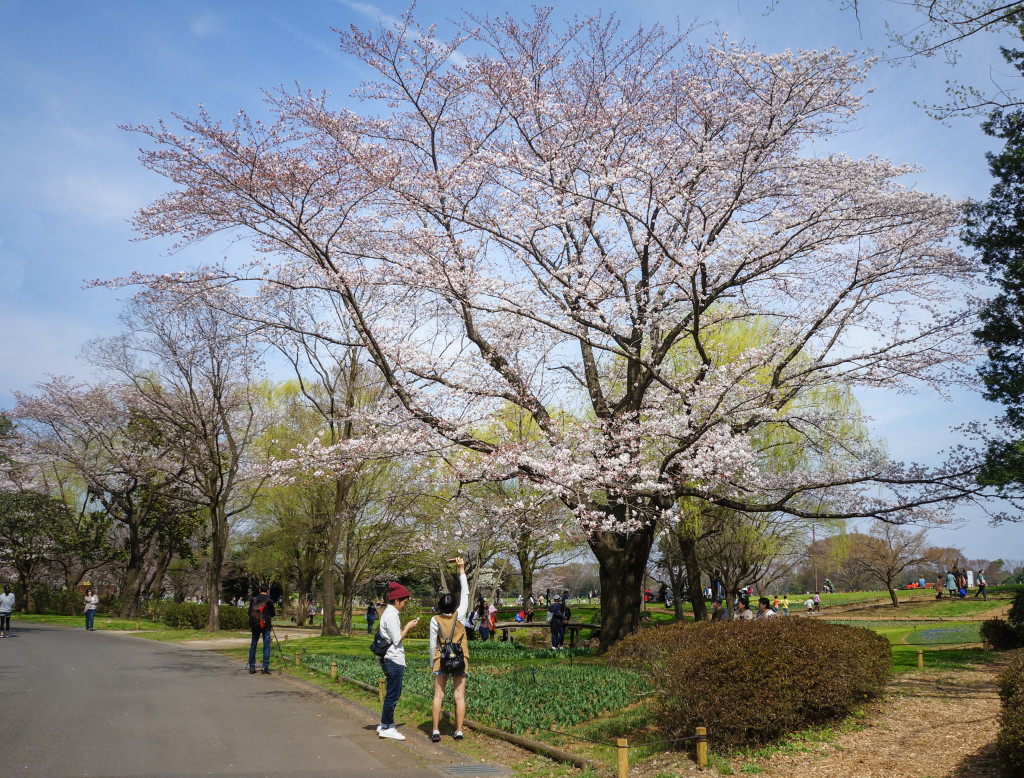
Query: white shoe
x,y
392,733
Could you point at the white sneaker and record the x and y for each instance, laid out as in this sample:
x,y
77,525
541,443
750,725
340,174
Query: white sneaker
x,y
379,728
392,733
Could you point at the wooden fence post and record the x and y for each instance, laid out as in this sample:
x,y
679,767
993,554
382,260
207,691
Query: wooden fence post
x,y
382,687
334,671
702,747
920,657
622,757
297,655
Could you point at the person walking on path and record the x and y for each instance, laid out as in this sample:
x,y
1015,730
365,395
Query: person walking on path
x,y
951,584
557,622
448,625
6,607
371,616
393,662
91,601
982,583
261,614
482,621
785,605
817,602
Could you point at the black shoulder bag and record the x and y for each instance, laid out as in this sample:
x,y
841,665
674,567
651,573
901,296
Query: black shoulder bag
x,y
380,644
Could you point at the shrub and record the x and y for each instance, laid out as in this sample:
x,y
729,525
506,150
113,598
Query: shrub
x,y
1010,740
1001,635
194,615
1016,614
751,682
421,630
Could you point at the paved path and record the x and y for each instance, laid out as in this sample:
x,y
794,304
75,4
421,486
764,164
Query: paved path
x,y
79,704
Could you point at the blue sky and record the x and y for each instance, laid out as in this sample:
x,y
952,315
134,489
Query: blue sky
x,y
72,72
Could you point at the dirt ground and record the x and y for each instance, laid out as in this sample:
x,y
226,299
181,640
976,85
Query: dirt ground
x,y
934,724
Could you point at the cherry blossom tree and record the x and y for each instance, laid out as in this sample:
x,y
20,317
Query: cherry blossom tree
x,y
566,221
126,465
196,376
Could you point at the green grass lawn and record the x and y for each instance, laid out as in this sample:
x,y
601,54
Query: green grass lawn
x,y
102,621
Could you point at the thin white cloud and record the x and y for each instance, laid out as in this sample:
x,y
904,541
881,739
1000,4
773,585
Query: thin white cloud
x,y
205,25
370,11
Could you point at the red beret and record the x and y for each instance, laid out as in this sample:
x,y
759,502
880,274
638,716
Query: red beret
x,y
396,591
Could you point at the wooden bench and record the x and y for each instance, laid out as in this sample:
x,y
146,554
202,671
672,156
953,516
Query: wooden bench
x,y
572,629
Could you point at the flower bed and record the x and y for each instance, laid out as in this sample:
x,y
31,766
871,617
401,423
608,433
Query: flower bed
x,y
520,700
960,633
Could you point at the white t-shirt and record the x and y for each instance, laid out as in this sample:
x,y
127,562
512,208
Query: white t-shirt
x,y
391,628
6,603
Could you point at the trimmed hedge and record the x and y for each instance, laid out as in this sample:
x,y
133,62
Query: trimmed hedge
x,y
1002,635
194,615
1010,740
753,682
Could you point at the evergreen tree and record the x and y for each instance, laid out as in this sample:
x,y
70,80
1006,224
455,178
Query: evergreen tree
x,y
996,229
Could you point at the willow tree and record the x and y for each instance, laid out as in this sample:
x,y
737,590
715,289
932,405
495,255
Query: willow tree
x,y
524,214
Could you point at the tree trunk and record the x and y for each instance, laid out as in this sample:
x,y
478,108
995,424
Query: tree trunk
x,y
675,581
622,561
132,578
348,596
156,583
218,548
526,570
330,626
893,597
130,599
688,547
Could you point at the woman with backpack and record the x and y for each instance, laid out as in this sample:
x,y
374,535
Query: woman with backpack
x,y
448,645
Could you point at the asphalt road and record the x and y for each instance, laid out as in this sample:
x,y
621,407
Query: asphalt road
x,y
77,703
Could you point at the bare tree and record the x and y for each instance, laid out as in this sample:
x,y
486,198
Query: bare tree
x,y
887,551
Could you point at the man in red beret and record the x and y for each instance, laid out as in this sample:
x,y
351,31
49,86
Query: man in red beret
x,y
393,662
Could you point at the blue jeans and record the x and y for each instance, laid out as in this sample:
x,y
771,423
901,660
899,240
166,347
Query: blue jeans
x,y
369,627
485,633
89,616
557,633
394,673
256,634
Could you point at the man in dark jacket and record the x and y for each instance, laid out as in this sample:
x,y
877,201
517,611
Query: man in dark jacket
x,y
261,611
557,622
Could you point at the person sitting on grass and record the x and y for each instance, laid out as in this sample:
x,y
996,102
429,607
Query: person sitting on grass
x,y
447,625
764,608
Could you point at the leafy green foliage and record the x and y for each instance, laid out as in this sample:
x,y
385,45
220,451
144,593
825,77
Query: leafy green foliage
x,y
194,615
1005,634
519,700
1001,635
751,682
1010,740
1016,614
995,227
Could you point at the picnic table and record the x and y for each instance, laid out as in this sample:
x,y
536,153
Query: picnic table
x,y
572,628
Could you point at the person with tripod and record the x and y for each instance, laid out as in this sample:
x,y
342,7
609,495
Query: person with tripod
x,y
261,613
